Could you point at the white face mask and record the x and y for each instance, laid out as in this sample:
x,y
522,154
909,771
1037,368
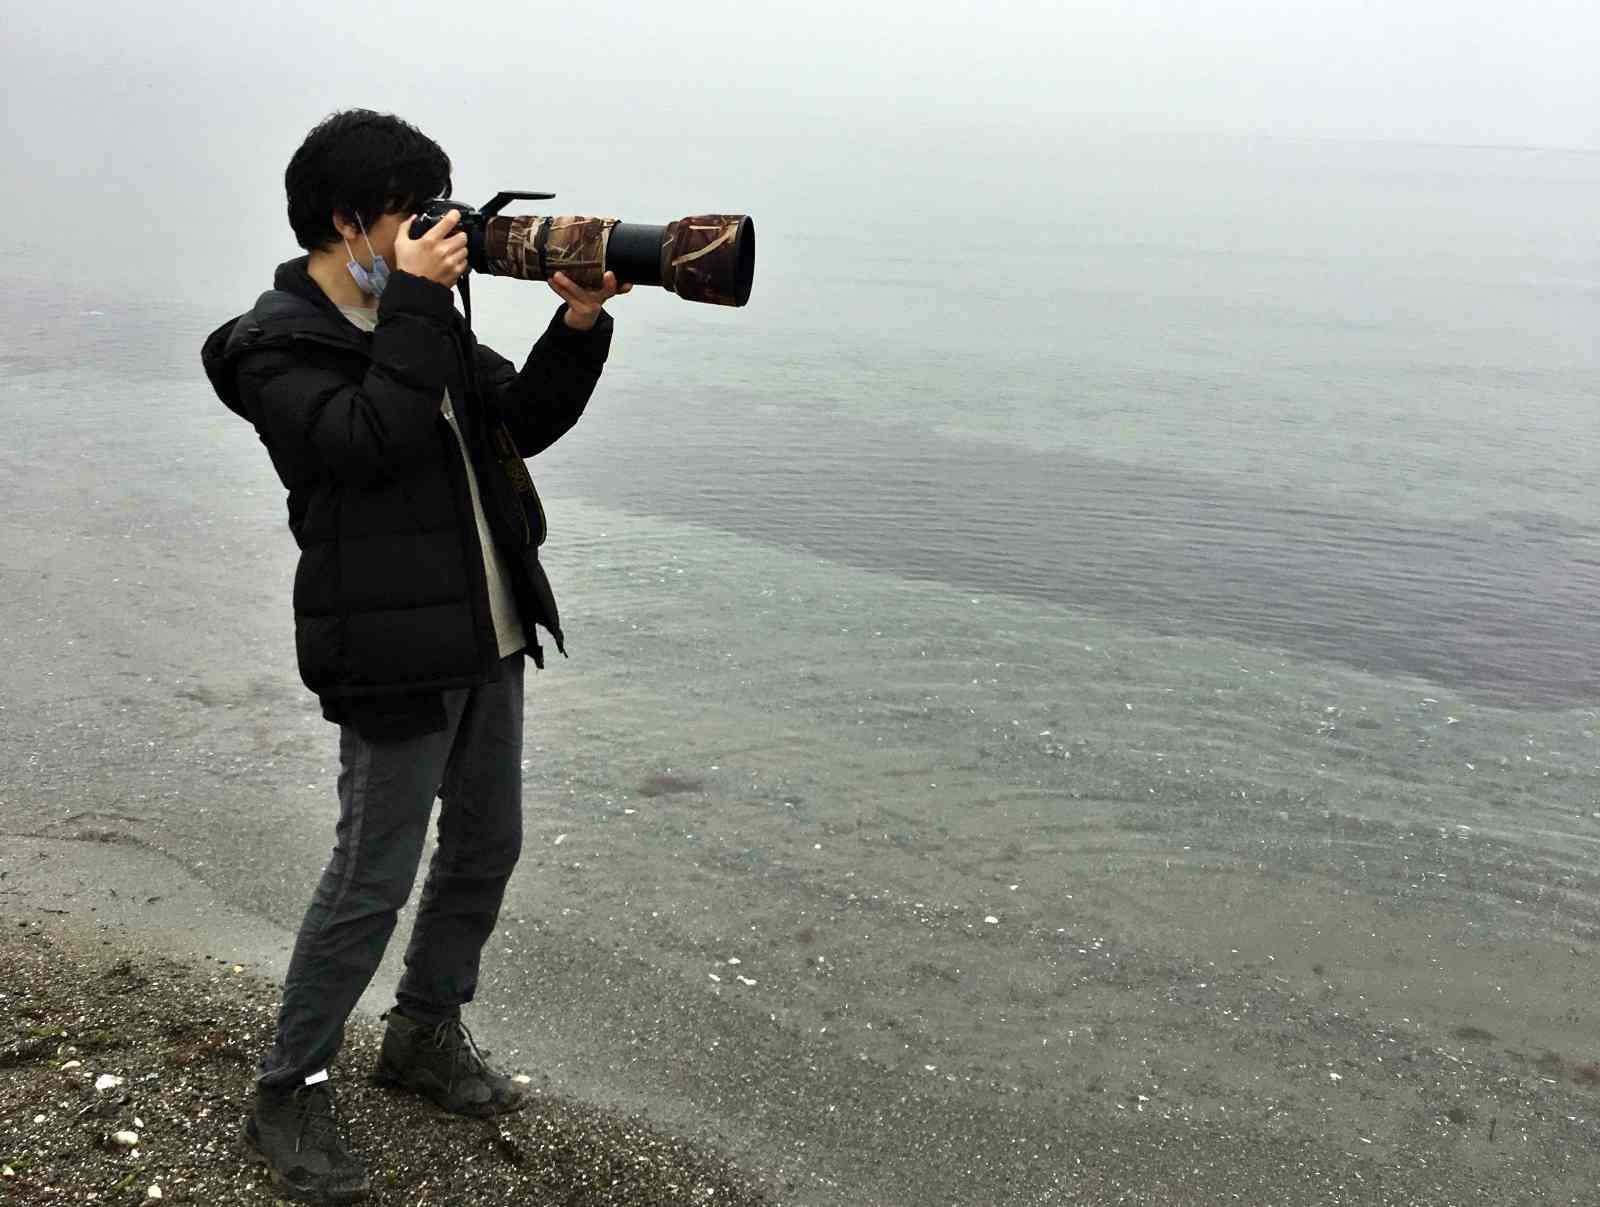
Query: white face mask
x,y
371,280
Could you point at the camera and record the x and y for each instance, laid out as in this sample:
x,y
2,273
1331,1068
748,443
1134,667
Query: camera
x,y
707,258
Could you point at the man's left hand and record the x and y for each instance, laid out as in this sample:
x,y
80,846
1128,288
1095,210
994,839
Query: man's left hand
x,y
584,305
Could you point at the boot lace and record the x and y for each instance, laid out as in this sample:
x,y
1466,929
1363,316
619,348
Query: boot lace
x,y
319,1119
466,1058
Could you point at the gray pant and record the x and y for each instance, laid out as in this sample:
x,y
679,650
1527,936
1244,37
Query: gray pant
x,y
386,794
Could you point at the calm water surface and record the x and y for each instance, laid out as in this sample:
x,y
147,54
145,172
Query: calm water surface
x,y
1086,590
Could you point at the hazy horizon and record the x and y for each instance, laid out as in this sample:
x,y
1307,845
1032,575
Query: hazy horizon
x,y
1460,74
179,118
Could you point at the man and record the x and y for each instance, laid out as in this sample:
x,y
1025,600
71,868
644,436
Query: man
x,y
417,596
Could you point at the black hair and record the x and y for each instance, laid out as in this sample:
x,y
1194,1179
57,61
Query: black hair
x,y
359,163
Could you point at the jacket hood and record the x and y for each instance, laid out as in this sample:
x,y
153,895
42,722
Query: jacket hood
x,y
295,307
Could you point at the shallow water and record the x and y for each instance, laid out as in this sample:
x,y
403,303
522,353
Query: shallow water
x,y
1210,604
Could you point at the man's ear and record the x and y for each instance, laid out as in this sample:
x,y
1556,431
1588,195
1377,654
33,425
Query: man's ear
x,y
345,224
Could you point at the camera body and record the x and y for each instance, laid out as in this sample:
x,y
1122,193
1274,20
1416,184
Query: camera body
x,y
471,224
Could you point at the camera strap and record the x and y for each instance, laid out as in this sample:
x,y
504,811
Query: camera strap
x,y
466,297
505,447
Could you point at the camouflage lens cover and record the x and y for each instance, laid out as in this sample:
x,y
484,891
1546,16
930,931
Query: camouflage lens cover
x,y
534,248
710,258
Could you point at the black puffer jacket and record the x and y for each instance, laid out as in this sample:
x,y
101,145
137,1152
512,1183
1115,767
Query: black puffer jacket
x,y
390,598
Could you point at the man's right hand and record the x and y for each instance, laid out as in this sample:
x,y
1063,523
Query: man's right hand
x,y
438,256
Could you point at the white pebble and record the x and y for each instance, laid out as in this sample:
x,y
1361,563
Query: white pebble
x,y
714,977
992,920
107,1081
72,1064
522,1079
744,980
1334,1077
153,1193
560,838
38,1118
138,1122
734,960
125,1139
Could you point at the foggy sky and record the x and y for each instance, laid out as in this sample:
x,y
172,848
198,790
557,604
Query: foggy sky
x,y
179,117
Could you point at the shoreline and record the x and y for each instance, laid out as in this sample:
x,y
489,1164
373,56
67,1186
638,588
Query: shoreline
x,y
125,1074
181,1014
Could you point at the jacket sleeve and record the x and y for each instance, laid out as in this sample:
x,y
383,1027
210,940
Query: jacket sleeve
x,y
386,424
540,404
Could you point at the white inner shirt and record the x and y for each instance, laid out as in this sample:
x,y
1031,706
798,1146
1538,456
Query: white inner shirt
x,y
502,604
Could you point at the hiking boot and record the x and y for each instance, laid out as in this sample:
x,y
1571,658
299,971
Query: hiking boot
x,y
441,1061
295,1134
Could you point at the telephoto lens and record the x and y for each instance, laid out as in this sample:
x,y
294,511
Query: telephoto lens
x,y
707,258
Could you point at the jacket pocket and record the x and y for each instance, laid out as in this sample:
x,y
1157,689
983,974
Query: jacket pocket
x,y
534,524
